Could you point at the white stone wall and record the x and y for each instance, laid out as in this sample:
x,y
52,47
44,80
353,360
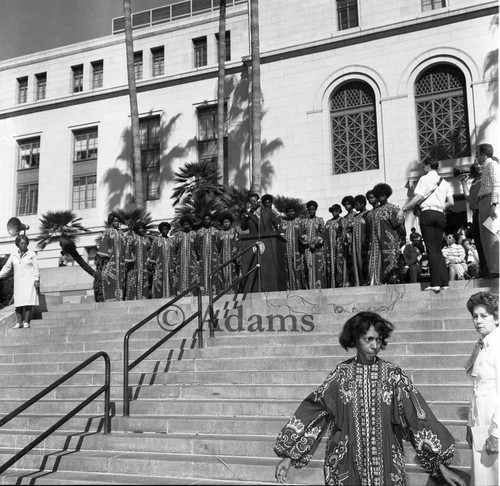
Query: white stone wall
x,y
304,58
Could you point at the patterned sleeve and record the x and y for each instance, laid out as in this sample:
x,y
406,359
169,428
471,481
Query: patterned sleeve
x,y
431,440
106,246
301,436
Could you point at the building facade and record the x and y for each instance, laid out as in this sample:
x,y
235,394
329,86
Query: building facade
x,y
354,92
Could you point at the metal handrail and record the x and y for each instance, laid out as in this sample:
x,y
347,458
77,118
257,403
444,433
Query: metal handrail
x,y
212,299
105,388
127,367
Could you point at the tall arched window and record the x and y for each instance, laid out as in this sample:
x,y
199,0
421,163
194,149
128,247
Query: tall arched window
x,y
354,128
443,128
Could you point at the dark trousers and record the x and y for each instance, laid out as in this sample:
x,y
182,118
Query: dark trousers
x,y
483,268
433,224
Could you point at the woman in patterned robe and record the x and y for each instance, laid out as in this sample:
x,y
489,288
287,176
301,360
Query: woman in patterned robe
x,y
162,257
360,240
366,407
209,246
314,257
333,248
349,265
112,254
293,229
230,246
184,245
136,259
387,227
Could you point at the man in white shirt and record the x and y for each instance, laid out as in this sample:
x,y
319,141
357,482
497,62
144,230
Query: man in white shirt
x,y
434,196
488,199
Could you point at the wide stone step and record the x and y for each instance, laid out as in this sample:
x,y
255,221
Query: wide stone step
x,y
218,467
231,391
449,410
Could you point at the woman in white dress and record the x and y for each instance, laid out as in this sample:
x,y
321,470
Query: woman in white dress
x,y
484,367
26,280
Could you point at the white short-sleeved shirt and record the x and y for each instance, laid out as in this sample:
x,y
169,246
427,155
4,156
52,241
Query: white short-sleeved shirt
x,y
437,199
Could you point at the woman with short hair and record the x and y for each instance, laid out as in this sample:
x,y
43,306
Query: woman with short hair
x,y
484,368
366,407
26,281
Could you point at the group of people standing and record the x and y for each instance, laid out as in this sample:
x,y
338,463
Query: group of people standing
x,y
134,265
367,406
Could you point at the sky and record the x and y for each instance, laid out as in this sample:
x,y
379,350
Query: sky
x,y
28,26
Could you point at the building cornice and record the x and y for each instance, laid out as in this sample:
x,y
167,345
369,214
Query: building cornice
x,y
341,40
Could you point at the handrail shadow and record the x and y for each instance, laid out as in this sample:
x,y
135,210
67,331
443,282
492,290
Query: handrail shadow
x,y
128,367
103,389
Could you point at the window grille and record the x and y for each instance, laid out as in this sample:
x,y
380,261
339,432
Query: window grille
x,y
432,4
84,192
97,74
41,86
85,145
149,129
441,104
228,44
27,199
200,52
28,154
138,64
22,90
348,14
158,56
354,128
77,78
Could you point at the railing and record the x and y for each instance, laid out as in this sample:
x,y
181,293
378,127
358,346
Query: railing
x,y
127,367
177,10
107,419
212,299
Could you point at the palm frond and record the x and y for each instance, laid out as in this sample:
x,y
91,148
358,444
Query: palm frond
x,y
283,202
196,178
236,200
59,227
132,216
197,207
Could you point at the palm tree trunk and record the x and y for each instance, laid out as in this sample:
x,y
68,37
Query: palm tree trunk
x,y
220,90
70,248
134,110
256,96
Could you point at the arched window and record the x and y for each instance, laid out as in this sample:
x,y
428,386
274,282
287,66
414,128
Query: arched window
x,y
354,128
443,129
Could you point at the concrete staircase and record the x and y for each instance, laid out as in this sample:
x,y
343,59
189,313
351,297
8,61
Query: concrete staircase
x,y
211,416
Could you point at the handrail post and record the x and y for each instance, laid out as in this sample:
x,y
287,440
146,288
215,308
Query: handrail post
x,y
107,395
200,318
210,307
126,405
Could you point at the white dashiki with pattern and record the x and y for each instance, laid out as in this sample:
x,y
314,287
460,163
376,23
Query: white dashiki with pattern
x,y
366,411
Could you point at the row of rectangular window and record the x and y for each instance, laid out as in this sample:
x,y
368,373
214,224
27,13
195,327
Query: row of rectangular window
x,y
158,69
85,151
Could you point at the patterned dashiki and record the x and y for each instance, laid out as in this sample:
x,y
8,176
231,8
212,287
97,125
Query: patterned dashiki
x,y
230,246
185,250
384,243
136,256
295,270
366,411
209,245
112,247
164,277
349,273
314,258
333,252
360,247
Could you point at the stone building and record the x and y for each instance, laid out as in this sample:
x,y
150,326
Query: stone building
x,y
355,92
